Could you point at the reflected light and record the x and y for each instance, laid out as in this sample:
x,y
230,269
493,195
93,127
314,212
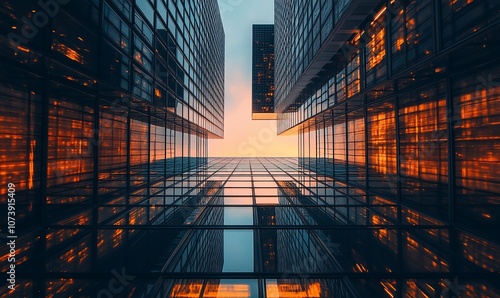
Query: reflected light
x,y
273,290
389,287
193,290
70,53
31,164
23,49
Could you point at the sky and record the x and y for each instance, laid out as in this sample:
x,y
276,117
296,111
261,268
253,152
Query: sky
x,y
242,135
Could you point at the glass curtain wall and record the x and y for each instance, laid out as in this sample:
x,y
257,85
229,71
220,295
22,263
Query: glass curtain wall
x,y
107,106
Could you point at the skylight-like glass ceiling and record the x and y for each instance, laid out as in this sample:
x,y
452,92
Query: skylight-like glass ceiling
x,y
245,227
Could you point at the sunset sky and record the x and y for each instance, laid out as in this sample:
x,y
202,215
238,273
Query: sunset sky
x,y
242,135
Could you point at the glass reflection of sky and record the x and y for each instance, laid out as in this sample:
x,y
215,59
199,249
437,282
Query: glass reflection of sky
x,y
238,216
238,251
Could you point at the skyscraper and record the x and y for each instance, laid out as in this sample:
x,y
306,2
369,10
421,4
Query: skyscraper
x,y
106,107
263,72
395,102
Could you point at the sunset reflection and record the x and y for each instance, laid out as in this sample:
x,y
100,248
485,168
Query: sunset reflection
x,y
130,165
287,290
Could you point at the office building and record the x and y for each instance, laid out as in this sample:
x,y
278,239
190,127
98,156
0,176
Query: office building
x,y
107,106
395,102
263,72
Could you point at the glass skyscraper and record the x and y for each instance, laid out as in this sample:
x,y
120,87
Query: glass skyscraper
x,y
107,106
263,72
396,106
106,111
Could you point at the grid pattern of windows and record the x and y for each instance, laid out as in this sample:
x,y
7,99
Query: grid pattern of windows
x,y
263,72
381,129
105,112
312,225
410,118
268,220
475,119
406,30
303,27
424,149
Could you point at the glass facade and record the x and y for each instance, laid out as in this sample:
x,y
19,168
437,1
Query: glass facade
x,y
263,72
107,106
403,110
268,227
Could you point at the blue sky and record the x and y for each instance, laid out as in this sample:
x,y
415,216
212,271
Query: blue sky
x,y
243,136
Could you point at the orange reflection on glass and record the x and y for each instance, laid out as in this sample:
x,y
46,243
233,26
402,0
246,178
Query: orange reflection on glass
x,y
480,252
360,268
70,53
382,141
107,240
57,288
59,236
287,290
478,109
419,255
31,164
137,216
267,200
389,287
385,236
76,257
157,92
23,49
399,43
356,139
424,127
138,57
22,254
376,45
193,290
473,289
414,290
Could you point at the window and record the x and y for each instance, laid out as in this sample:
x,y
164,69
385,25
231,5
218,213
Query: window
x,y
144,29
398,40
125,8
116,29
139,148
353,84
340,140
143,86
423,149
20,133
340,82
375,49
115,68
419,25
70,151
113,148
146,9
381,126
477,110
461,18
74,43
143,55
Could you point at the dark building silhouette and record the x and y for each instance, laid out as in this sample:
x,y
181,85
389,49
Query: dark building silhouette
x,y
268,238
263,72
